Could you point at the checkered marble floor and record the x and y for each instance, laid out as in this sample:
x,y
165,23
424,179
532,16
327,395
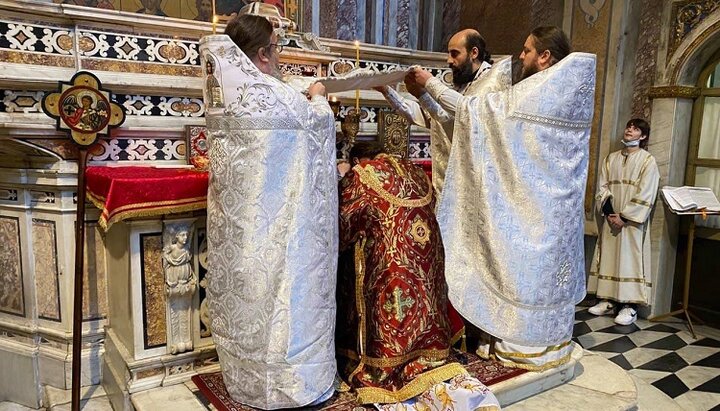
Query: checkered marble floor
x,y
663,354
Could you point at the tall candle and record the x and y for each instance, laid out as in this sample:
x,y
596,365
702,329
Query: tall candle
x,y
357,66
214,18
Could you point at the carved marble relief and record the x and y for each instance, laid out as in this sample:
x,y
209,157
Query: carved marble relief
x,y
47,283
11,292
95,303
180,284
153,276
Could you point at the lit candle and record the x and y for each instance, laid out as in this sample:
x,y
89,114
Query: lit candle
x,y
214,18
357,66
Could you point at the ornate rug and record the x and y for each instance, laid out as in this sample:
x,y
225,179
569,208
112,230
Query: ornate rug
x,y
490,372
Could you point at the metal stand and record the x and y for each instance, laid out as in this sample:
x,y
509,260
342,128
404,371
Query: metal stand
x,y
684,309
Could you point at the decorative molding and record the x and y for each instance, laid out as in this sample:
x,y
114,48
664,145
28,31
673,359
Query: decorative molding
x,y
8,194
674,92
591,9
710,31
685,16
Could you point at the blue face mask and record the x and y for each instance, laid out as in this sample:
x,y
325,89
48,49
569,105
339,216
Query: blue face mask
x,y
633,143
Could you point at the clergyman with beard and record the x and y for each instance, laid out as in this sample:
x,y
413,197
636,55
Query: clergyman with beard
x,y
272,222
511,215
469,59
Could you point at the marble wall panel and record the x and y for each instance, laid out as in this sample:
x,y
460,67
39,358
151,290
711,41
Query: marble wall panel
x,y
646,57
347,20
504,28
403,24
328,18
95,300
47,283
153,281
11,293
450,22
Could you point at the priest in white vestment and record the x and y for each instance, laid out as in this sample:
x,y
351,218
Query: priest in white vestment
x,y
469,60
511,214
620,273
272,223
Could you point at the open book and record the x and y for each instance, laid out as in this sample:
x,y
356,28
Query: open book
x,y
691,200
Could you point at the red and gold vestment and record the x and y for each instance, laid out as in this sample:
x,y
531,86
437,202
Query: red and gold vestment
x,y
394,333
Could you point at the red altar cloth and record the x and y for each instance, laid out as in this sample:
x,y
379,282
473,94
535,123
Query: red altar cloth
x,y
126,192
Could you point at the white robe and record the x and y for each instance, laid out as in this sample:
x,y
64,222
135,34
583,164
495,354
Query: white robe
x,y
511,213
272,233
621,264
428,113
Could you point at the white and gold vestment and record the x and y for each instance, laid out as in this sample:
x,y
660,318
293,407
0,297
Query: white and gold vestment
x,y
272,232
511,213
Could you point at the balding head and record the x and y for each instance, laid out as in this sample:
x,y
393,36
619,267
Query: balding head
x,y
466,52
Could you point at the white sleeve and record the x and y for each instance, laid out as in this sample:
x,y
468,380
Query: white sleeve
x,y
444,95
407,108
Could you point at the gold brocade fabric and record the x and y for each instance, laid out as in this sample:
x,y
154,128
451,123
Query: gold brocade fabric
x,y
393,330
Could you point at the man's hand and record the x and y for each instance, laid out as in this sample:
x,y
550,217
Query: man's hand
x,y
343,168
316,89
412,86
419,75
615,221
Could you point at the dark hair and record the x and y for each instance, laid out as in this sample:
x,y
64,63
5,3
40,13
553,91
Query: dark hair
x,y
474,39
250,33
365,149
554,40
644,129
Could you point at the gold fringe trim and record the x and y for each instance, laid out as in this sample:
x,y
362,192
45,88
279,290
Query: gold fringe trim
x,y
419,385
158,208
360,301
458,335
533,355
367,178
431,354
529,367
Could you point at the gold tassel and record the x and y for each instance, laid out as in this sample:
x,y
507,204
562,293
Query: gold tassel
x,y
463,344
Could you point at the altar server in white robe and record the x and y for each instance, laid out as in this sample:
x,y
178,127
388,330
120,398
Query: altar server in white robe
x,y
511,214
620,274
272,222
469,59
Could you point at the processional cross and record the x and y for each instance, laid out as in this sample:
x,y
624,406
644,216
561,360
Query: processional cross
x,y
84,110
399,304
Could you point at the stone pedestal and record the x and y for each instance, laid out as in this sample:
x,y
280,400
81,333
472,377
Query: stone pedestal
x,y
154,336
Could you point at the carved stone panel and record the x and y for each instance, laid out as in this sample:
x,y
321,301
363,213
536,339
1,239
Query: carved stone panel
x,y
47,284
95,301
153,279
11,292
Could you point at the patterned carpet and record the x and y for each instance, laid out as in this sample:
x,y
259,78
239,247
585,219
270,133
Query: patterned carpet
x,y
662,354
211,388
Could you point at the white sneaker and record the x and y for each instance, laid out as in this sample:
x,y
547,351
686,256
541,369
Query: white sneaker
x,y
602,308
626,316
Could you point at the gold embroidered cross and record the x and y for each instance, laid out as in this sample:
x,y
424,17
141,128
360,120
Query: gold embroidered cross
x,y
399,304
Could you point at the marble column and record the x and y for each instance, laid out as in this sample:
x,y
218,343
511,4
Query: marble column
x,y
328,13
669,145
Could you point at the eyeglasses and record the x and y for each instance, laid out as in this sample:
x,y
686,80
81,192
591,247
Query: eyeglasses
x,y
278,47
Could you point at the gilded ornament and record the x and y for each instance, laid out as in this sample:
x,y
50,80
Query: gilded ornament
x,y
420,231
674,92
